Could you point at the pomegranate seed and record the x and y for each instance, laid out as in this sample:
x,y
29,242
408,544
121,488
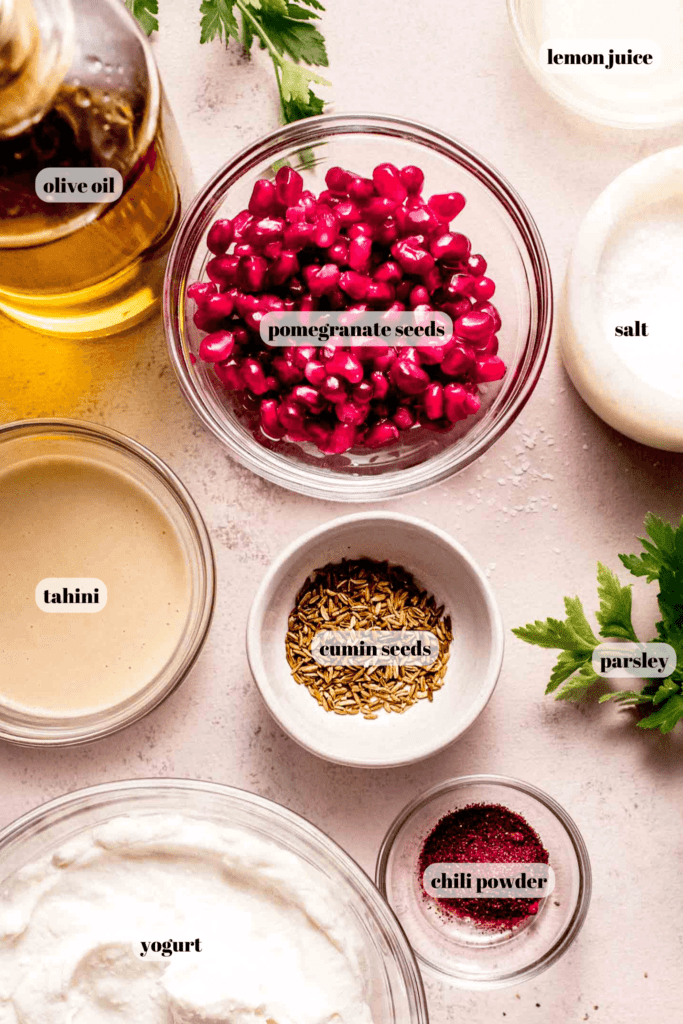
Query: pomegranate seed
x,y
339,252
387,181
216,347
361,189
433,401
347,213
201,290
408,376
447,206
361,229
418,296
284,267
359,254
263,197
251,273
459,285
489,349
488,369
308,396
354,284
315,372
218,307
458,362
433,355
223,271
432,280
387,233
220,236
342,437
423,220
454,402
324,279
474,326
476,265
389,272
413,179
270,424
299,235
230,375
384,361
351,413
487,307
450,247
333,389
380,385
404,418
326,228
483,289
347,365
291,415
264,230
381,434
338,180
240,223
245,304
286,371
414,261
456,309
379,208
363,392
288,186
379,293
203,321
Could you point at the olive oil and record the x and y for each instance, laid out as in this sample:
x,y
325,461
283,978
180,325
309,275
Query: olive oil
x,y
89,270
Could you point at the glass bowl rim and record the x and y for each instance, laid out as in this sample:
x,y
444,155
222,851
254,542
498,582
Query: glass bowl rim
x,y
87,729
51,811
572,929
305,479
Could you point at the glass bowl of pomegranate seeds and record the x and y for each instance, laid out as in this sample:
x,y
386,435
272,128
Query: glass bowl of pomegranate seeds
x,y
481,834
347,215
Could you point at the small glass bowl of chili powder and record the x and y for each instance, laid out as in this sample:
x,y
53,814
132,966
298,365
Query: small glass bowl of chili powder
x,y
485,942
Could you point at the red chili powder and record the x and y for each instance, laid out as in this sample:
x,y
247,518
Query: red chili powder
x,y
484,833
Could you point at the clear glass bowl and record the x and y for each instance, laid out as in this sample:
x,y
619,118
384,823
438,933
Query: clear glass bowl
x,y
467,956
32,438
394,987
500,227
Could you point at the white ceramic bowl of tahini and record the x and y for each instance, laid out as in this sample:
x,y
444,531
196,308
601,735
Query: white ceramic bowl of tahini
x,y
440,566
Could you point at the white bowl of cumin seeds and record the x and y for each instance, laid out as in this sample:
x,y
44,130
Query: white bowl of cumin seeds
x,y
390,572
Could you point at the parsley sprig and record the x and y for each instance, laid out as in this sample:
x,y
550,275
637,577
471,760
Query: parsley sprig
x,y
283,28
662,560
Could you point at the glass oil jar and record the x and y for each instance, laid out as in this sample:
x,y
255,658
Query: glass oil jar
x,y
79,88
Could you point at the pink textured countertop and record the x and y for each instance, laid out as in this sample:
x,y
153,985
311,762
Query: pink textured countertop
x,y
558,492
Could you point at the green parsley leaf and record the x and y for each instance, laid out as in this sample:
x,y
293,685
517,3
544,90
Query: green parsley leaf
x,y
615,606
577,687
666,717
218,19
301,42
666,551
628,697
572,634
668,688
298,100
566,665
146,13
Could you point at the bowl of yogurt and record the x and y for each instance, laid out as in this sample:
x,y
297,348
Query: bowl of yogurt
x,y
177,902
108,568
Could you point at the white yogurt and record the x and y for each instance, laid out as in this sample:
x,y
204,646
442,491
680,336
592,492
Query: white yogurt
x,y
275,946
